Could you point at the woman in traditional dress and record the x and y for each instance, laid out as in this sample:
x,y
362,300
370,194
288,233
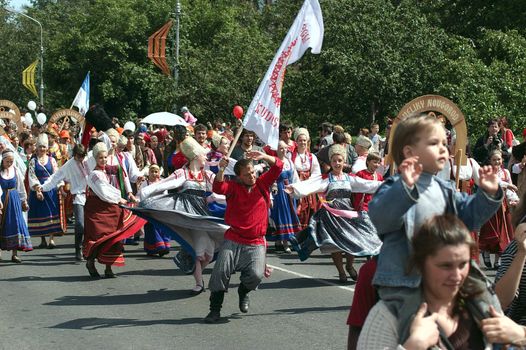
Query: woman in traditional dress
x,y
335,227
283,211
184,211
156,242
307,166
497,233
14,234
106,224
44,211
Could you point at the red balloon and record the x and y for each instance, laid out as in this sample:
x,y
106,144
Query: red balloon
x,y
238,112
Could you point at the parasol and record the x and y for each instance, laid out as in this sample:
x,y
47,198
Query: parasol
x,y
164,118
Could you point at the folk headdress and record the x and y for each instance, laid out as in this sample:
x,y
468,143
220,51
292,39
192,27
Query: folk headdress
x,y
191,148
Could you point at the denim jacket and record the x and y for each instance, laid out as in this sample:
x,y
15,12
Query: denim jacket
x,y
392,211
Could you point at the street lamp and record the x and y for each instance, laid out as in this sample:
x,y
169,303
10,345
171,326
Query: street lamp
x,y
41,89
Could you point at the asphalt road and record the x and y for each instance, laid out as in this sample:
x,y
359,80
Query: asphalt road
x,y
49,302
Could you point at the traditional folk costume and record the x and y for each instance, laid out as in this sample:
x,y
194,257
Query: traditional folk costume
x,y
75,173
183,212
361,200
106,224
156,241
468,178
335,226
14,234
283,211
44,216
497,232
307,166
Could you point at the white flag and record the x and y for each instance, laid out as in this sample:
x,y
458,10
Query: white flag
x,y
263,113
82,98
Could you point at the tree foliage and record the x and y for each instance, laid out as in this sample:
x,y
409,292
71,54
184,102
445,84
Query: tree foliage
x,y
377,55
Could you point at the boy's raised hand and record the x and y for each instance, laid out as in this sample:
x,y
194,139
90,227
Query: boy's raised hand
x,y
410,170
488,179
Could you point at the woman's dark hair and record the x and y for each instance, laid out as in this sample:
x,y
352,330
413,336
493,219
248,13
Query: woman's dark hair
x,y
338,137
491,122
436,233
284,127
127,133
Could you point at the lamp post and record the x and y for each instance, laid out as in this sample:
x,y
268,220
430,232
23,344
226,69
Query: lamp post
x,y
41,88
175,48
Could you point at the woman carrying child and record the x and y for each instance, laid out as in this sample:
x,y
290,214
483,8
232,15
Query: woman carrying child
x,y
444,320
405,201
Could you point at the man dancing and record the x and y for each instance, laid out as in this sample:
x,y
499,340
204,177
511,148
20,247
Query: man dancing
x,y
244,247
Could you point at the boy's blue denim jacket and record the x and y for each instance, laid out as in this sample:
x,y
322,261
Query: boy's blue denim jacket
x,y
392,211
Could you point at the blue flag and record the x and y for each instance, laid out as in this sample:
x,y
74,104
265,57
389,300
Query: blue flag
x,y
82,98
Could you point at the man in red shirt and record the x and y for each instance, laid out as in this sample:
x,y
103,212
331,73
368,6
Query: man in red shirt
x,y
244,247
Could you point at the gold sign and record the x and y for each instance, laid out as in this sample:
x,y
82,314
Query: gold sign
x,y
5,107
444,106
67,115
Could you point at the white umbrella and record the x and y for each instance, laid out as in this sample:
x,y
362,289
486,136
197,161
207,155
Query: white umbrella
x,y
164,118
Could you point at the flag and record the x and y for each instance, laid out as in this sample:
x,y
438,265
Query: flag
x,y
28,78
263,113
82,99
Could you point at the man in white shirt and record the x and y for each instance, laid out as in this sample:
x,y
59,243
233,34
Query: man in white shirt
x,y
74,171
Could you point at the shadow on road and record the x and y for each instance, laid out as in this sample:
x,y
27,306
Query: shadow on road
x,y
97,323
151,296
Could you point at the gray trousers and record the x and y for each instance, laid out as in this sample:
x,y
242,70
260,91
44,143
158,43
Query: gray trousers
x,y
78,211
249,259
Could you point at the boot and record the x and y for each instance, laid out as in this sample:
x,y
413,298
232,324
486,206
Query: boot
x,y
216,302
78,255
244,301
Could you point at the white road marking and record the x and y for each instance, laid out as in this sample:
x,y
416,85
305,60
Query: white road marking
x,y
349,289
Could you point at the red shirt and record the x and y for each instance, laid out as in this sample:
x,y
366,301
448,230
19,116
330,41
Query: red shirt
x,y
179,160
364,295
360,201
247,211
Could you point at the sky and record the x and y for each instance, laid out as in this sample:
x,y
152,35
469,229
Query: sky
x,y
17,4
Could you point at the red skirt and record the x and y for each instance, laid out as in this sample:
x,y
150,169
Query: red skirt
x,y
497,233
106,225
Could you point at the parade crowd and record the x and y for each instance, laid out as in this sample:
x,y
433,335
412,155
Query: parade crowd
x,y
423,222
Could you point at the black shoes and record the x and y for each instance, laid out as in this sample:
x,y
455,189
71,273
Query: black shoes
x,y
108,273
244,300
90,265
213,316
352,272
216,302
78,255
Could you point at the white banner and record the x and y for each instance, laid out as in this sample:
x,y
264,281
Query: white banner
x,y
263,113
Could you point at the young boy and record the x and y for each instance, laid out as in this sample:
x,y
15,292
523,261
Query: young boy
x,y
406,200
361,201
